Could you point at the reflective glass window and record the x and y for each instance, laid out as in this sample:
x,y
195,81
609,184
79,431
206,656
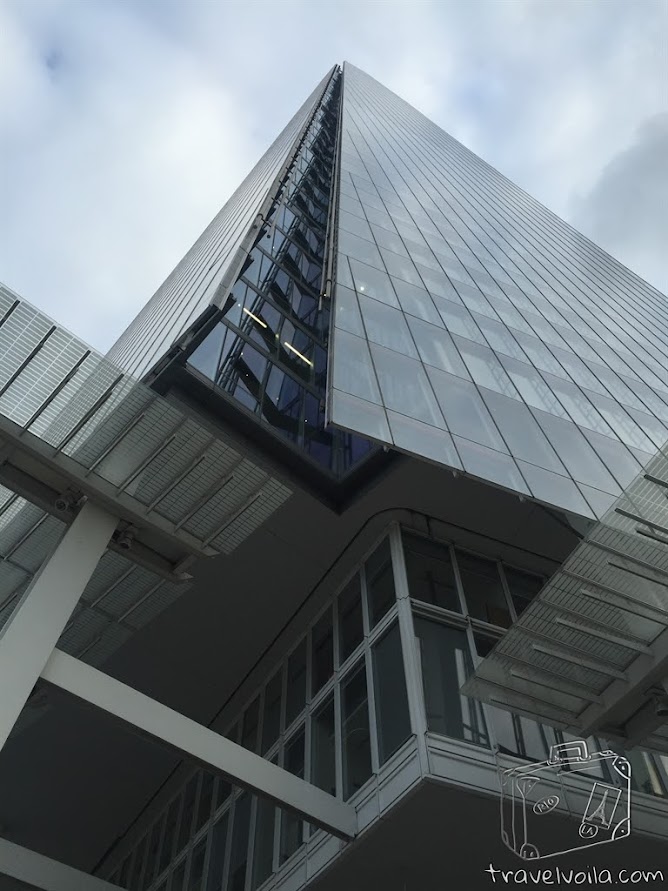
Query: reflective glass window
x,y
423,439
464,410
392,717
483,589
405,386
239,849
351,629
347,315
522,434
523,587
263,851
322,665
271,720
355,731
296,683
431,577
196,874
379,582
359,249
291,824
323,768
437,348
386,326
446,664
416,302
484,367
353,371
373,283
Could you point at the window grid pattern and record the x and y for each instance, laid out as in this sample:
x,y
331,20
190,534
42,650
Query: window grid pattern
x,y
452,640
313,717
475,328
268,352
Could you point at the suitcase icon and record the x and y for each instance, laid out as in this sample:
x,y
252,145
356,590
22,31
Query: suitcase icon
x,y
530,793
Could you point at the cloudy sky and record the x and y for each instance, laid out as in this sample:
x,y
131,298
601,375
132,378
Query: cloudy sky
x,y
125,124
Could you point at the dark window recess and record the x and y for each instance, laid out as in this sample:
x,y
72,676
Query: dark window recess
x,y
392,716
239,851
523,587
446,664
483,590
323,770
431,577
292,825
271,723
355,731
323,652
351,626
380,582
296,693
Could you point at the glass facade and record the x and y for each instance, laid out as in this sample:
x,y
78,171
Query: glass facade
x,y
268,350
336,720
476,329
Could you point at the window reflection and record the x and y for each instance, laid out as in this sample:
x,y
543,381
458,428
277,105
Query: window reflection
x,y
355,732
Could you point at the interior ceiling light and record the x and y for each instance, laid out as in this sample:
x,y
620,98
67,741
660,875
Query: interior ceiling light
x,y
297,353
254,317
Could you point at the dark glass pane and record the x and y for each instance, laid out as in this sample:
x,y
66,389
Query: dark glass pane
x,y
196,876
216,868
292,825
271,722
263,853
355,731
205,800
483,591
323,652
446,663
152,853
392,716
250,725
351,628
239,849
167,849
379,582
137,867
523,587
296,693
323,770
179,877
223,792
430,574
186,824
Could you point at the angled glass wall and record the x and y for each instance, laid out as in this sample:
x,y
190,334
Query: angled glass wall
x,y
268,352
336,711
476,329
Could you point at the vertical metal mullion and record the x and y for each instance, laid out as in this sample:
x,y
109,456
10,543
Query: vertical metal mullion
x,y
506,590
410,654
371,709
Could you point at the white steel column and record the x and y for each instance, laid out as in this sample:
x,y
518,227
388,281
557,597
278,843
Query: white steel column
x,y
236,764
32,631
42,872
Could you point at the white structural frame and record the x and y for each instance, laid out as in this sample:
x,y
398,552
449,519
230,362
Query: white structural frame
x,y
28,652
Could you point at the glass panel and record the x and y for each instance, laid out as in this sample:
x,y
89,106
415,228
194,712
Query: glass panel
x,y
152,854
239,850
271,721
437,349
522,434
379,582
205,800
464,410
431,577
186,825
250,725
347,314
296,695
360,416
523,587
446,664
263,853
322,666
483,590
291,824
351,629
373,283
353,372
416,302
167,849
138,865
178,877
392,717
214,878
404,386
386,326
423,439
323,772
355,731
196,877
484,367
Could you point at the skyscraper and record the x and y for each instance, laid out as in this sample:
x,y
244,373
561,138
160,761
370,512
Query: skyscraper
x,y
390,503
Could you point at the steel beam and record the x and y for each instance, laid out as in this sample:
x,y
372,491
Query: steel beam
x,y
39,871
32,631
232,761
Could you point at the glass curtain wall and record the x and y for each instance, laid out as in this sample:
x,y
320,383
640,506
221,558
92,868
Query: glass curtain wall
x,y
268,352
336,709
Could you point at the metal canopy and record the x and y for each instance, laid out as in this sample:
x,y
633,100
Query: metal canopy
x,y
73,427
590,653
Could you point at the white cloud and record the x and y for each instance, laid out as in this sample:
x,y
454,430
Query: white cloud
x,y
124,127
